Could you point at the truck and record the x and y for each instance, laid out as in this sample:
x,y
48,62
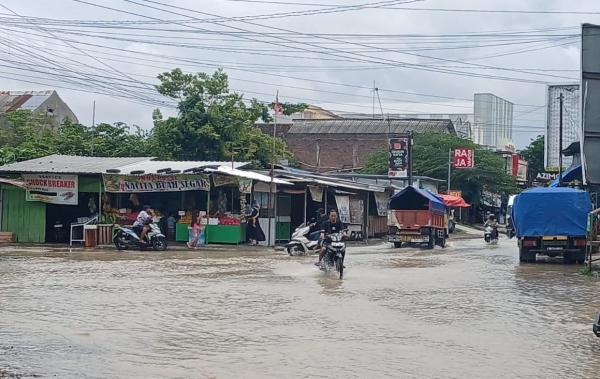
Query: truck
x,y
417,216
551,221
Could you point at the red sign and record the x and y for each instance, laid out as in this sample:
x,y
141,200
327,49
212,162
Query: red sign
x,y
463,158
456,193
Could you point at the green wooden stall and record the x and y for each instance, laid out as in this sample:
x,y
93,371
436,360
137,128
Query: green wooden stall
x,y
27,219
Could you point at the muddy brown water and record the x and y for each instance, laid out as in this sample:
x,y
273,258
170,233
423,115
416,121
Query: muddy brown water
x,y
468,311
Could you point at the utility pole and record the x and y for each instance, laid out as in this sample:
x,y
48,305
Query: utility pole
x,y
275,111
93,124
560,139
410,159
449,169
373,100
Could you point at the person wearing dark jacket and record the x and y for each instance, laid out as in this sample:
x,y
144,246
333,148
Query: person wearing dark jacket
x,y
331,226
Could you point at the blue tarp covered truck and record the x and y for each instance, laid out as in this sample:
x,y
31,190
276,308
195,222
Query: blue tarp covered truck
x,y
553,222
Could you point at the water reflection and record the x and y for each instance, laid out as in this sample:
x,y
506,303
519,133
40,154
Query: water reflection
x,y
468,311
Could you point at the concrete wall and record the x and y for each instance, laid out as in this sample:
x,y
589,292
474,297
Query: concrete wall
x,y
60,110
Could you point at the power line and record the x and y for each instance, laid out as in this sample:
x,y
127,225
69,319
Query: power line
x,y
328,52
404,64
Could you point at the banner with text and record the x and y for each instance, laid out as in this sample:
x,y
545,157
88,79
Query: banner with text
x,y
343,206
399,158
463,157
156,183
382,200
51,188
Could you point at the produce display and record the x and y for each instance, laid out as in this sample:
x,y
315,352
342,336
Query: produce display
x,y
229,220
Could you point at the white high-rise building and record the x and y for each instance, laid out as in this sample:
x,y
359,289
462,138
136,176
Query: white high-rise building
x,y
493,121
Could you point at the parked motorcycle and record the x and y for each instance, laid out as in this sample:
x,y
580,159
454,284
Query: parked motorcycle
x,y
334,255
301,242
125,238
491,235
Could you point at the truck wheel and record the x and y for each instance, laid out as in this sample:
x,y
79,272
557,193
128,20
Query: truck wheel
x,y
580,257
522,255
432,238
569,258
526,256
397,245
442,242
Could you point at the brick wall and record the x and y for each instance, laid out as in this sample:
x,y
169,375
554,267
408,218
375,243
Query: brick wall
x,y
335,151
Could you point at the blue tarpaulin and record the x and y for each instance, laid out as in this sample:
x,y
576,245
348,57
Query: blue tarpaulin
x,y
572,173
435,203
551,211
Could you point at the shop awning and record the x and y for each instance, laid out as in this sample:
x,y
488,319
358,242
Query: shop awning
x,y
248,175
454,201
14,182
572,173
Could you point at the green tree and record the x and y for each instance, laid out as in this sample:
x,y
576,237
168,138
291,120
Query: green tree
x,y
430,158
212,121
534,155
26,136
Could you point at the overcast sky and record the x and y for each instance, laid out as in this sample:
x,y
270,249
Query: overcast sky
x,y
323,55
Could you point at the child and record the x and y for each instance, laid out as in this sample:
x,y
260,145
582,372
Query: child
x,y
196,228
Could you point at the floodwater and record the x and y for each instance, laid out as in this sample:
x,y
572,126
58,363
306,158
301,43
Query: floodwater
x,y
467,311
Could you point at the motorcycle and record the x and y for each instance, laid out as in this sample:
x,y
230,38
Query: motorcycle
x,y
125,238
491,235
334,254
301,242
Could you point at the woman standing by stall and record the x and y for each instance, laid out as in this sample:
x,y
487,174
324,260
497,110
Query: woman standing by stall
x,y
196,228
254,232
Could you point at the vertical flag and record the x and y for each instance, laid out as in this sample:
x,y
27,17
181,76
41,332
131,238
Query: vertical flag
x,y
277,107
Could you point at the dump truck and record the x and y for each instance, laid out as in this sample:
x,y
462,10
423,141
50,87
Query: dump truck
x,y
552,221
417,216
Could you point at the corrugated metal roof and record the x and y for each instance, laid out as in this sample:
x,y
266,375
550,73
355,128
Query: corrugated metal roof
x,y
30,100
227,170
324,180
69,164
364,126
152,167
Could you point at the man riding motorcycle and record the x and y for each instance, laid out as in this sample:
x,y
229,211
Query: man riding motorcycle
x,y
140,226
332,225
493,223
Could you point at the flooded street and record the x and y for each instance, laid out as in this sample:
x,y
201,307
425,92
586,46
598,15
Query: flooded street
x,y
467,311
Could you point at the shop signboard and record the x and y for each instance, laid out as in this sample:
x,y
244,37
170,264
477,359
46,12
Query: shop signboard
x,y
223,180
456,193
463,158
343,205
382,202
245,185
52,188
399,158
155,183
546,176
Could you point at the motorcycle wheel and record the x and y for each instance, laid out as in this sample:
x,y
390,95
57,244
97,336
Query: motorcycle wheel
x,y
119,242
295,250
159,244
340,267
